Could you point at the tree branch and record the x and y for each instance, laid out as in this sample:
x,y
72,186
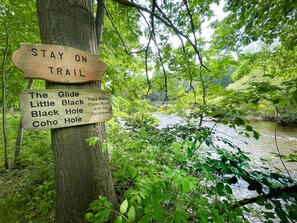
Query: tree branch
x,y
100,21
119,35
4,127
191,21
159,52
166,23
272,194
279,153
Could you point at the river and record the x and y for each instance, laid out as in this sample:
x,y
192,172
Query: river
x,y
285,140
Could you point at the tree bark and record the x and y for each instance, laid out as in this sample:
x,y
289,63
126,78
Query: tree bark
x,y
81,173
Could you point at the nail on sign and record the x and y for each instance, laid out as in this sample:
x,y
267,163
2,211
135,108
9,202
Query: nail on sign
x,y
58,63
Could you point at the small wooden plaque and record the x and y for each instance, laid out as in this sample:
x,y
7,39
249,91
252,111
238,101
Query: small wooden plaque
x,y
54,108
58,63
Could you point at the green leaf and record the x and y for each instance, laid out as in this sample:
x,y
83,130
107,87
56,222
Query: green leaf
x,y
185,185
145,219
124,206
131,214
158,212
238,211
132,172
92,141
220,188
144,193
268,206
239,121
256,134
228,189
89,217
118,219
269,214
293,214
249,128
281,214
261,202
136,198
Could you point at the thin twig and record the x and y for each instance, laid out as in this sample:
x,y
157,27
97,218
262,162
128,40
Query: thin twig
x,y
159,54
191,21
119,35
146,51
167,22
279,153
4,91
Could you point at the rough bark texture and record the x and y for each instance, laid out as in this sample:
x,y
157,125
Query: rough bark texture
x,y
81,172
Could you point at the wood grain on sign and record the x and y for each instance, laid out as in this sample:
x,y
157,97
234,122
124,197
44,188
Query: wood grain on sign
x,y
58,63
54,108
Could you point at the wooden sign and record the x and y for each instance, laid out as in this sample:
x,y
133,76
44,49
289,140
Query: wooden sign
x,y
58,64
52,108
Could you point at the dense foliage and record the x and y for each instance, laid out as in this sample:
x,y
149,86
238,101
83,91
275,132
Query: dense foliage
x,y
186,173
157,52
182,173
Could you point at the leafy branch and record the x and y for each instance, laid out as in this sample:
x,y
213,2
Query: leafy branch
x,y
274,193
118,33
167,22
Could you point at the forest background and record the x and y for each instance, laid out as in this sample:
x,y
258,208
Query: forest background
x,y
157,58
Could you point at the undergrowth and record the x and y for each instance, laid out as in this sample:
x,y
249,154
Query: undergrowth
x,y
182,173
27,191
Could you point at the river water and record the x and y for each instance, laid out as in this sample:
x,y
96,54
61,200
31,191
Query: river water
x,y
272,136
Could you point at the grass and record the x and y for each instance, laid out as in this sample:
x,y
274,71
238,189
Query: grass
x,y
27,192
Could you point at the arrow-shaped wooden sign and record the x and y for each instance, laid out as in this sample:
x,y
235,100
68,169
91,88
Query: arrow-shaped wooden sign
x,y
58,63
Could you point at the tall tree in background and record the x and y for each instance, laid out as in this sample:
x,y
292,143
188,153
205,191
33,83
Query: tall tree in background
x,y
3,99
81,172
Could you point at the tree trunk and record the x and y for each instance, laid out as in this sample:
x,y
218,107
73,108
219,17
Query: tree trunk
x,y
19,140
81,173
4,106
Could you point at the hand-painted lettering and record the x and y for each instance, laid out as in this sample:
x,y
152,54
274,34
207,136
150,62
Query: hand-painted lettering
x,y
38,95
72,102
42,104
52,55
44,123
43,52
70,111
68,94
44,113
72,120
34,52
66,71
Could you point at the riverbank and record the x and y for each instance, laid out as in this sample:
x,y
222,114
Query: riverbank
x,y
260,114
290,122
